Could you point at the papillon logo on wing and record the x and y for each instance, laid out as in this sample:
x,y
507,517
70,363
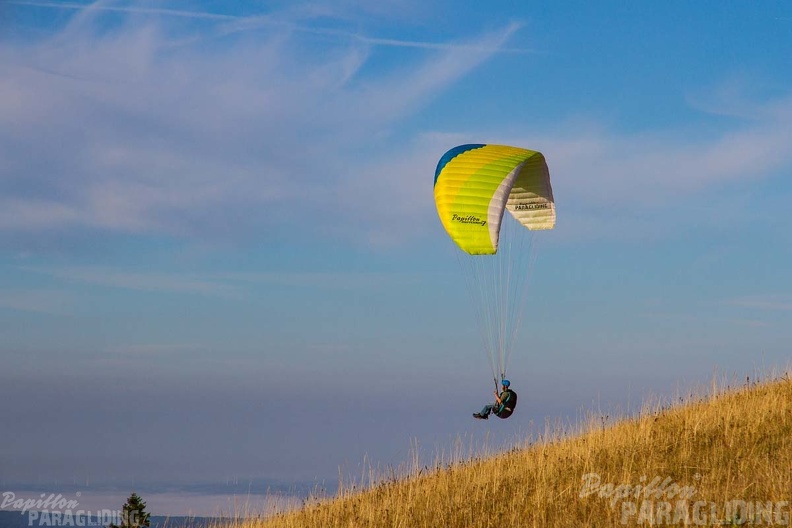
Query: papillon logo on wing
x,y
470,219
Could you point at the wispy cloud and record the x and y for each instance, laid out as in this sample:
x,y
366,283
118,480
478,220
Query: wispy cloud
x,y
155,349
698,319
42,301
344,281
231,285
236,23
119,132
151,282
610,184
764,302
651,167
122,132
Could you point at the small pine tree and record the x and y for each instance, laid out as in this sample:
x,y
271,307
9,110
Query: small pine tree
x,y
133,514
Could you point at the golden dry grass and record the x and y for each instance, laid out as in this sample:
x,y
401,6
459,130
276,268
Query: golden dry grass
x,y
731,446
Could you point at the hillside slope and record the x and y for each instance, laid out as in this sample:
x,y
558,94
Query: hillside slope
x,y
727,458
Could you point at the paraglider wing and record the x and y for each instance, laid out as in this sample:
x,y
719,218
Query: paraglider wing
x,y
475,183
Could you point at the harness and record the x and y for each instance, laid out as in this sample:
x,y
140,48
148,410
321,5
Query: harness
x,y
507,405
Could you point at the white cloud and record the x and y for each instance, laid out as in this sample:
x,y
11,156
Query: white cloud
x,y
648,169
132,130
609,184
253,125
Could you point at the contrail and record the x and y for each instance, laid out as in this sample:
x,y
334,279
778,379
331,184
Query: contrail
x,y
239,24
138,10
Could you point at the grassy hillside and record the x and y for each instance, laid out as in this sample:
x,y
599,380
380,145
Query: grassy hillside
x,y
725,458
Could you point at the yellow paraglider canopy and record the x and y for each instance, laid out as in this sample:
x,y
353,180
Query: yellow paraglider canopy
x,y
474,184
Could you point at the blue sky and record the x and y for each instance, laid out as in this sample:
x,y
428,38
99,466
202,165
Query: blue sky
x,y
206,206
